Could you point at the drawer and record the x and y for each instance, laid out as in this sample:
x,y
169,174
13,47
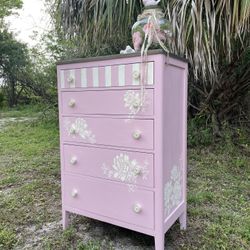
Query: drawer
x,y
120,102
135,133
109,199
105,76
131,168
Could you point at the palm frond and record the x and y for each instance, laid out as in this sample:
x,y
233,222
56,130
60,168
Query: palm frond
x,y
204,30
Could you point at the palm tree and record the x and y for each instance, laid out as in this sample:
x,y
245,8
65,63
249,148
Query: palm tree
x,y
210,33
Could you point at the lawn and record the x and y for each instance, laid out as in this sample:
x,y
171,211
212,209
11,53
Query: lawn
x,y
218,194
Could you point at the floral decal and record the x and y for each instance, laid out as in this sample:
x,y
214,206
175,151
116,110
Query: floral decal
x,y
80,127
126,170
172,190
133,101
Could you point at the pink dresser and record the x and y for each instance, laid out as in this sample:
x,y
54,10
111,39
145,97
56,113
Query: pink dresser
x,y
120,166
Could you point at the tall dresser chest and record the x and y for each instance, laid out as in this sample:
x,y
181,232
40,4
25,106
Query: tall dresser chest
x,y
121,164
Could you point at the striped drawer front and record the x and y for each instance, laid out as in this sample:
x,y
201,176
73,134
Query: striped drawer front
x,y
112,102
136,133
133,168
108,199
108,76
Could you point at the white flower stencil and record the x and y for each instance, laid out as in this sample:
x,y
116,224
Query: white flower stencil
x,y
80,127
172,190
134,101
126,170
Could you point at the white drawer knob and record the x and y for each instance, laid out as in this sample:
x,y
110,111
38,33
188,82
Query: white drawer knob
x,y
72,103
72,129
136,105
74,193
137,171
137,134
73,160
71,79
137,208
136,75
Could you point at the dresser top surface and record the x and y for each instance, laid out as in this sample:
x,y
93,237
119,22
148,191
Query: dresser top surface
x,y
120,56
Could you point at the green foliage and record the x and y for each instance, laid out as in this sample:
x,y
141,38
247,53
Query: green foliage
x,y
8,6
42,77
29,74
13,61
108,23
199,134
225,100
91,245
13,53
31,110
7,239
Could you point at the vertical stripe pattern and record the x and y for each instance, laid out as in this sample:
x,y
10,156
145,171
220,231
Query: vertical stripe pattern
x,y
83,78
95,77
121,75
108,76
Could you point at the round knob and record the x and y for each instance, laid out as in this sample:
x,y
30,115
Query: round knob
x,y
137,135
72,129
137,208
136,105
73,160
74,193
137,171
71,79
72,103
136,75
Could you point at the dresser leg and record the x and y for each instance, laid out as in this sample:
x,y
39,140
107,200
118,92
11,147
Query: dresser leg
x,y
159,242
65,219
183,221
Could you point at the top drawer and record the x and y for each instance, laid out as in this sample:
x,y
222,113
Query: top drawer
x,y
105,76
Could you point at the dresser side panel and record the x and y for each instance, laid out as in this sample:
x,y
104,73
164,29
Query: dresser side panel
x,y
174,134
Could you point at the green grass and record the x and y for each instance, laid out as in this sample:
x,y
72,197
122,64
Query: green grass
x,y
21,111
218,195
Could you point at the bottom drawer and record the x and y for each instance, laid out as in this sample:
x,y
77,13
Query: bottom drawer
x,y
109,199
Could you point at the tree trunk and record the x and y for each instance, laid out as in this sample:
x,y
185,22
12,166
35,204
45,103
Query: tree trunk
x,y
12,96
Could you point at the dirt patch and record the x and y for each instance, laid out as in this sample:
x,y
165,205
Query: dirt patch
x,y
34,237
4,122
